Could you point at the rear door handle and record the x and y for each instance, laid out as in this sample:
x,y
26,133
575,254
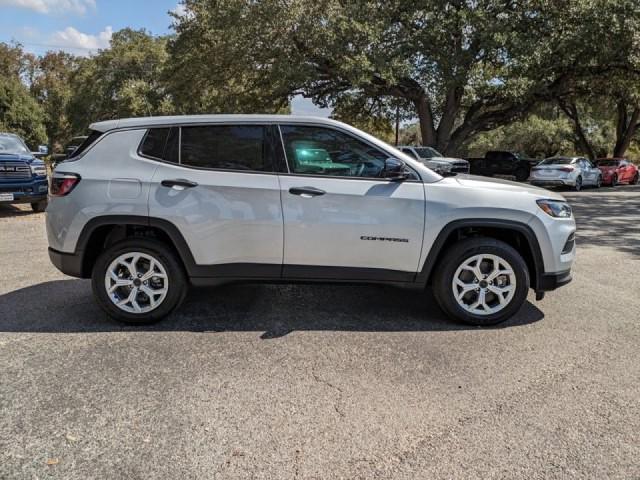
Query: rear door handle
x,y
178,183
306,191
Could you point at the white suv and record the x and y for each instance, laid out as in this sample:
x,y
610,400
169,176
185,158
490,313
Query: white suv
x,y
147,206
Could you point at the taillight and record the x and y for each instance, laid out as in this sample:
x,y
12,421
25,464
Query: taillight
x,y
62,184
566,169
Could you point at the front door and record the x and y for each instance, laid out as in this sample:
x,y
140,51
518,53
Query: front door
x,y
341,220
221,192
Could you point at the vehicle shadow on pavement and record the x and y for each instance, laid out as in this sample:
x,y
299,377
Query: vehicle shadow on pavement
x,y
607,218
7,211
67,306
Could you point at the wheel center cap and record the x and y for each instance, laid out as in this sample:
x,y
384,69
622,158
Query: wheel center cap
x,y
137,282
483,284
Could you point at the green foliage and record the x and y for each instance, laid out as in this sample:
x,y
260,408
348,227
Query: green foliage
x,y
124,80
20,112
51,86
534,136
459,67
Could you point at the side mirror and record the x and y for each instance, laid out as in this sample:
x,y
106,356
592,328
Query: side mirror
x,y
394,170
43,151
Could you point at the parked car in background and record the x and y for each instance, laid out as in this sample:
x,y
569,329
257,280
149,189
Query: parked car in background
x,y
71,147
433,159
503,163
23,176
151,205
617,170
575,172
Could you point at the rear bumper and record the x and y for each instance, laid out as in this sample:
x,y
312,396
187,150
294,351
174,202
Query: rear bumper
x,y
551,281
550,183
68,263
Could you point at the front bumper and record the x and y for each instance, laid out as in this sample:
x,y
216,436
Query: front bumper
x,y
25,192
552,281
68,263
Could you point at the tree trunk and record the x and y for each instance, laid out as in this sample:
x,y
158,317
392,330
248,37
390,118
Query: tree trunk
x,y
571,111
445,126
625,129
425,117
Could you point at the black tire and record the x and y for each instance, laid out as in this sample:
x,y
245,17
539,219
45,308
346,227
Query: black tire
x,y
635,179
599,182
522,174
578,185
177,279
614,181
455,256
40,206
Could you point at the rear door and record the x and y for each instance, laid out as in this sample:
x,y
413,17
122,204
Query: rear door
x,y
341,220
218,186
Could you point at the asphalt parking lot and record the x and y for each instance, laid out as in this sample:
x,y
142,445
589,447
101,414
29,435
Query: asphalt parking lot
x,y
288,382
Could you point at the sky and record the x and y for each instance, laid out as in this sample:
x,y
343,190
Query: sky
x,y
84,26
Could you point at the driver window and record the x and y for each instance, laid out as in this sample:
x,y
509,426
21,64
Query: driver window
x,y
323,151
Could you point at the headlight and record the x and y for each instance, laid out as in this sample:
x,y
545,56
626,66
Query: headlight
x,y
555,208
442,167
39,170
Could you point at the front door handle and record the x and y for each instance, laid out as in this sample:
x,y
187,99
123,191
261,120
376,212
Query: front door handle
x,y
178,183
306,191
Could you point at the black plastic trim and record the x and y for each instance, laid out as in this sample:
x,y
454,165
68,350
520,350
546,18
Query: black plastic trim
x,y
552,281
354,274
438,245
68,263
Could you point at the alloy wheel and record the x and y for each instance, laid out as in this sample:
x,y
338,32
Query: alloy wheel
x,y
136,282
484,284
578,184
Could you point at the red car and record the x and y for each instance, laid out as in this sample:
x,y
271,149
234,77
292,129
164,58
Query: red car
x,y
617,170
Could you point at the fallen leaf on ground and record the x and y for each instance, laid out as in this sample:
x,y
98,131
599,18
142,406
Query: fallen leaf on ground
x,y
53,461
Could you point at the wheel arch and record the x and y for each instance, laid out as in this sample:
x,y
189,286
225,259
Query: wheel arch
x,y
102,231
517,234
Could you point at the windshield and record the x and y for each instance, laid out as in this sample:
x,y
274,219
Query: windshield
x,y
607,163
427,152
557,161
11,144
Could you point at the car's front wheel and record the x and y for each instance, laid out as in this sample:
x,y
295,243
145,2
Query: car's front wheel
x,y
39,206
138,281
481,281
635,179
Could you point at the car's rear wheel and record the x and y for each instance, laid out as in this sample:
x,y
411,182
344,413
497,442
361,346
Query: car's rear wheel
x,y
599,181
138,281
39,206
635,179
578,185
522,174
481,281
614,181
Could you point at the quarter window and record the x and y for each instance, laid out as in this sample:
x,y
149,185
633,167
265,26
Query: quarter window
x,y
154,143
322,151
229,147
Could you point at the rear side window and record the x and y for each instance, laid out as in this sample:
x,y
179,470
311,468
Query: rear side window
x,y
154,143
226,147
94,135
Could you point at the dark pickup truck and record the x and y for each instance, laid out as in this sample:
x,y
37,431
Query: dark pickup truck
x,y
502,163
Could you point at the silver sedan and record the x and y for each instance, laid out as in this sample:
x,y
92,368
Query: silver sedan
x,y
576,172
